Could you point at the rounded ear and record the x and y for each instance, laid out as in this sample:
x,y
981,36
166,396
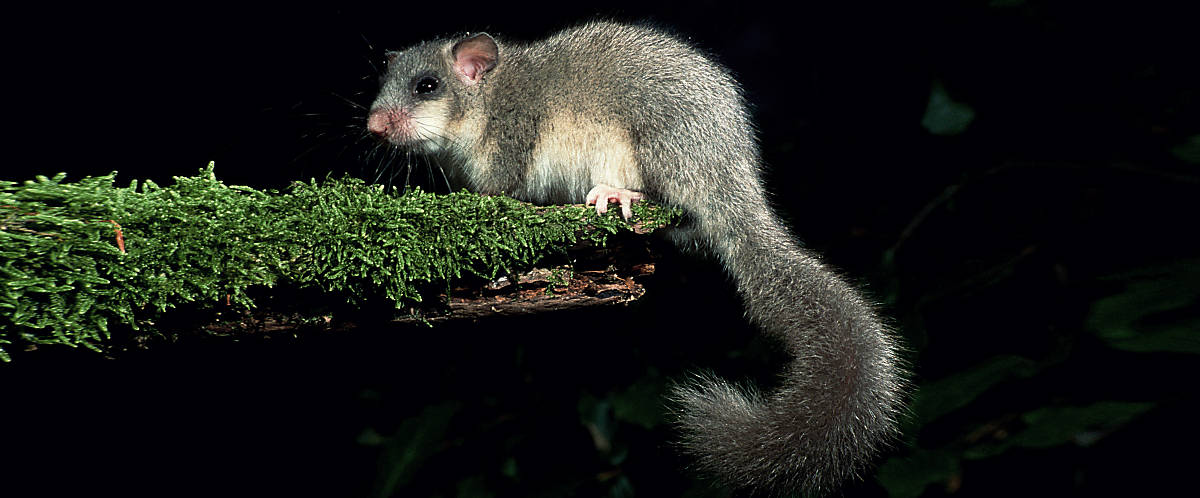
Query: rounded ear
x,y
474,56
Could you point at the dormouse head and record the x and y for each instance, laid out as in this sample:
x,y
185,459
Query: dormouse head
x,y
428,87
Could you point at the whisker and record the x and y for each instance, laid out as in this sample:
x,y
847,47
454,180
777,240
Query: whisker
x,y
352,103
408,170
370,46
445,178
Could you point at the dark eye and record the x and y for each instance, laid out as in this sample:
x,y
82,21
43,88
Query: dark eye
x,y
425,85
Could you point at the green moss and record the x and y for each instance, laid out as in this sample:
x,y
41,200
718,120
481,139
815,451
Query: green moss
x,y
64,280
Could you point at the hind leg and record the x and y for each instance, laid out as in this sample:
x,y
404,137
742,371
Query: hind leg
x,y
601,195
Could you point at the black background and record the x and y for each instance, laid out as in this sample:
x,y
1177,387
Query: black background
x,y
1066,172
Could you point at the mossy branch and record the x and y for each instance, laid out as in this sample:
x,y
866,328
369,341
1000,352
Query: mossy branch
x,y
77,258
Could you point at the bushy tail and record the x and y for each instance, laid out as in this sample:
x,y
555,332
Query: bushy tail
x,y
840,394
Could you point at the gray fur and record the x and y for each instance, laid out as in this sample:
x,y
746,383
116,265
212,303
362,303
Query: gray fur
x,y
693,146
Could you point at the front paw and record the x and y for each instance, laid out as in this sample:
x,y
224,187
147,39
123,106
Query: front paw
x,y
601,195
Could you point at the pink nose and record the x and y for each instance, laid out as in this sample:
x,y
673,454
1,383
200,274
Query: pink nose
x,y
394,124
379,122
